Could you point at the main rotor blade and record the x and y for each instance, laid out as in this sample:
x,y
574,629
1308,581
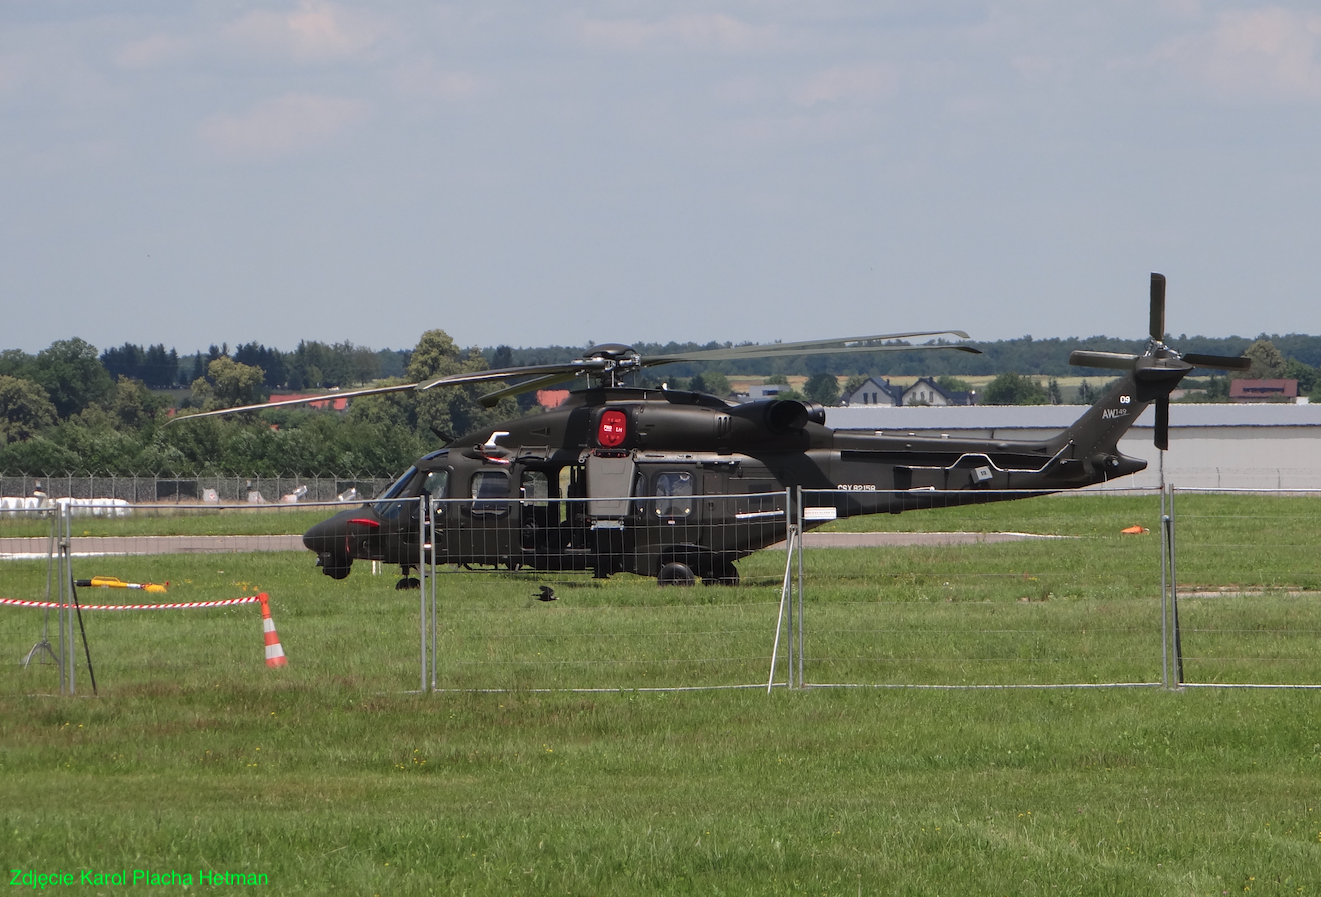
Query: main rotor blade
x,y
490,399
1113,360
1163,423
1223,362
1157,328
572,368
809,347
305,400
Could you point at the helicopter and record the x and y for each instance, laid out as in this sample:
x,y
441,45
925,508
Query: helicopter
x,y
680,485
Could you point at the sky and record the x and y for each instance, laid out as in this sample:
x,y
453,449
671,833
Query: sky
x,y
537,173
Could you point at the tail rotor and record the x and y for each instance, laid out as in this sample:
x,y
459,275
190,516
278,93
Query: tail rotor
x,y
1159,368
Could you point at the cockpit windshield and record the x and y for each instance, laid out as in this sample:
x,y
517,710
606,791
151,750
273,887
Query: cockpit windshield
x,y
391,510
400,484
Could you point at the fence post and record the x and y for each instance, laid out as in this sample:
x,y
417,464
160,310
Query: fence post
x,y
799,524
1164,588
64,513
789,584
785,599
432,517
422,590
1174,597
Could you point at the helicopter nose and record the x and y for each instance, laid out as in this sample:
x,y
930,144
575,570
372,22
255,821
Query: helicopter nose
x,y
325,536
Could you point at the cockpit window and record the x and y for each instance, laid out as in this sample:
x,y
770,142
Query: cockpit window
x,y
390,510
437,484
400,484
674,494
490,492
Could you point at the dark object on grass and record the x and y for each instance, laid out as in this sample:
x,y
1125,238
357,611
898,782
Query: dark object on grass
x,y
547,594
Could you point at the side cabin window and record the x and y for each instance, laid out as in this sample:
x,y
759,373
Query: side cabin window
x,y
674,494
490,492
535,494
536,489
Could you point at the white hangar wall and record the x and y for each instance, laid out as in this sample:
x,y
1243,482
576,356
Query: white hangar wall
x,y
1267,446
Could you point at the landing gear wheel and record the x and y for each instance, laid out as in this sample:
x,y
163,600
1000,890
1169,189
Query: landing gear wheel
x,y
676,575
335,566
408,582
726,575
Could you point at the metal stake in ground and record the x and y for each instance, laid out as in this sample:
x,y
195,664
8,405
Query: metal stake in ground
x,y
91,673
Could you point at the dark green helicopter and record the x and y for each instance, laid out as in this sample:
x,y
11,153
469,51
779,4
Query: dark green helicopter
x,y
681,485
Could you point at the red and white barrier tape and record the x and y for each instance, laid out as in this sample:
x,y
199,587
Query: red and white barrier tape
x,y
228,602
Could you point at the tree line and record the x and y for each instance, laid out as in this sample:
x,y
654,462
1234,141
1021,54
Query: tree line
x,y
61,410
69,408
313,365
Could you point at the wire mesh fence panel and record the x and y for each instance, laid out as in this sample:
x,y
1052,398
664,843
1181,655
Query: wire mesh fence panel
x,y
1045,590
205,557
26,539
195,489
1038,591
624,634
1248,568
587,607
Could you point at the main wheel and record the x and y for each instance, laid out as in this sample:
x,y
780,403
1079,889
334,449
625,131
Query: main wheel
x,y
676,574
408,582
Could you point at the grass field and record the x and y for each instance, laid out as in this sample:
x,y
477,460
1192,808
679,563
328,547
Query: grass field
x,y
329,777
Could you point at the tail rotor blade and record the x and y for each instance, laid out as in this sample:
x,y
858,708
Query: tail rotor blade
x,y
1223,362
1163,423
1112,360
1157,307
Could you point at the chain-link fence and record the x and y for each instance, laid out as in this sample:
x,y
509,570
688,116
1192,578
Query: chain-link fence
x,y
541,592
215,489
1246,587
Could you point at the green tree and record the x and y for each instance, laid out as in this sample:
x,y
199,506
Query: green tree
x,y
229,383
854,383
16,363
1267,362
25,409
453,410
39,456
134,406
71,373
822,388
1306,375
949,384
1011,388
717,384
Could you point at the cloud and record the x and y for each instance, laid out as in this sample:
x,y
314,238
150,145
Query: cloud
x,y
315,32
422,80
279,127
701,32
1269,54
861,83
154,50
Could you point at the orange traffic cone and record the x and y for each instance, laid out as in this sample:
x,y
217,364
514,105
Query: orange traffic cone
x,y
274,652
